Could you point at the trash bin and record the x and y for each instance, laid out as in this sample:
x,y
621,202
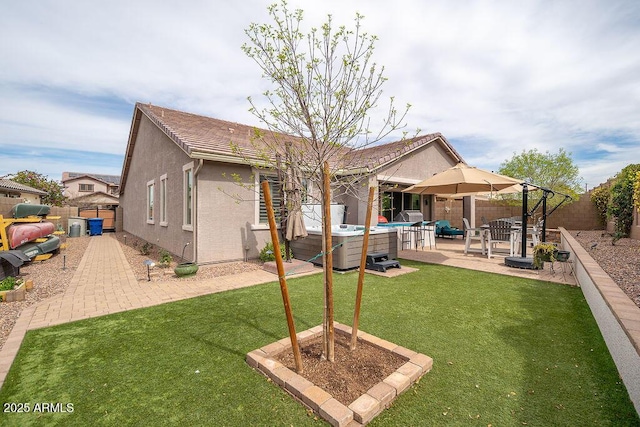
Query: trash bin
x,y
82,222
74,230
95,226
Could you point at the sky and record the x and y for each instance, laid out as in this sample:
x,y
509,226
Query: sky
x,y
494,77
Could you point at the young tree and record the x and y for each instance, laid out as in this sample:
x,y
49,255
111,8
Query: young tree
x,y
54,196
556,172
324,84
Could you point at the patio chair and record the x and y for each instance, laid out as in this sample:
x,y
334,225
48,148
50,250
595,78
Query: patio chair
x,y
500,231
472,234
534,232
444,229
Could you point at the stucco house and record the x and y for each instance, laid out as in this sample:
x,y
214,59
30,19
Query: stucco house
x,y
90,188
19,193
180,175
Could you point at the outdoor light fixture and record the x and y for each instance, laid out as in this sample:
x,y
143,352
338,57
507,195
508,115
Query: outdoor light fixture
x,y
149,264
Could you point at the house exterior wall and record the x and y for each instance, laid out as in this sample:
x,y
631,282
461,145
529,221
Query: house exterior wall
x,y
410,169
24,198
227,223
154,155
72,187
356,200
419,165
415,167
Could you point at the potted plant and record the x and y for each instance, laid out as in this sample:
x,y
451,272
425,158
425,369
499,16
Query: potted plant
x,y
185,268
543,252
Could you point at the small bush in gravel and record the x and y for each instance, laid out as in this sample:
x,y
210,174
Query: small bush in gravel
x,y
165,258
145,249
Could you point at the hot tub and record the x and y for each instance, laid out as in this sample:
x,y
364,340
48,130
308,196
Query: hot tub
x,y
347,242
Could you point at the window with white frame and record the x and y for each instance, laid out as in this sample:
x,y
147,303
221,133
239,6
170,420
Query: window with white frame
x,y
163,201
86,187
187,175
150,199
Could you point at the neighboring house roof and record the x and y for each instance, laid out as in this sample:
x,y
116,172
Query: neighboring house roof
x,y
207,138
12,186
97,198
107,179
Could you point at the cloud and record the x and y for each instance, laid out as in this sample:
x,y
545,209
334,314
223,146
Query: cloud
x,y
494,77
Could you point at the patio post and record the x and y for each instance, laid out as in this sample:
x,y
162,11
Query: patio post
x,y
525,214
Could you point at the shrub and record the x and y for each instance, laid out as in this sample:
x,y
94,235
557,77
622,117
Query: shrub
x,y
621,206
636,191
543,252
266,254
165,258
145,249
600,198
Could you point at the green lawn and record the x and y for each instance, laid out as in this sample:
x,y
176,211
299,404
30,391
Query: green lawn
x,y
507,352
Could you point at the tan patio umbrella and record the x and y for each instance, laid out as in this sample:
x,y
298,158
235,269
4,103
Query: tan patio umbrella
x,y
486,195
463,179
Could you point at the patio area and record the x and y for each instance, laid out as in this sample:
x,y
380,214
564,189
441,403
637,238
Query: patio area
x,y
451,252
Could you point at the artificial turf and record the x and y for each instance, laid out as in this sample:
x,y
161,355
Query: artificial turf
x,y
506,350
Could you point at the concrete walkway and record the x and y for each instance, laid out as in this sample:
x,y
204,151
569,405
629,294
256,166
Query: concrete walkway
x,y
103,284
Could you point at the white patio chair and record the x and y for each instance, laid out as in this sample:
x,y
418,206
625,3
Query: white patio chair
x,y
472,234
534,232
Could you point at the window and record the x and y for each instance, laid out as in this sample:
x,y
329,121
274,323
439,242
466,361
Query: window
x,y
392,202
86,187
163,200
275,196
150,190
411,202
187,222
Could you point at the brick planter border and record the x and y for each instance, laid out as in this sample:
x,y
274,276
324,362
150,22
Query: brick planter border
x,y
362,410
17,294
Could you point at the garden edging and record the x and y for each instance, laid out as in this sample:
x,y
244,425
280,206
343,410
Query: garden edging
x,y
617,316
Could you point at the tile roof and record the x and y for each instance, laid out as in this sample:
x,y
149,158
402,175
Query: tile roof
x,y
213,139
8,184
109,179
379,155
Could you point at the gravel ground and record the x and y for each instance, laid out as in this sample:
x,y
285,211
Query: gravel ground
x,y
621,260
49,279
136,259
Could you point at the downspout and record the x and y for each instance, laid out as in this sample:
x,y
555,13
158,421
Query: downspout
x,y
195,210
